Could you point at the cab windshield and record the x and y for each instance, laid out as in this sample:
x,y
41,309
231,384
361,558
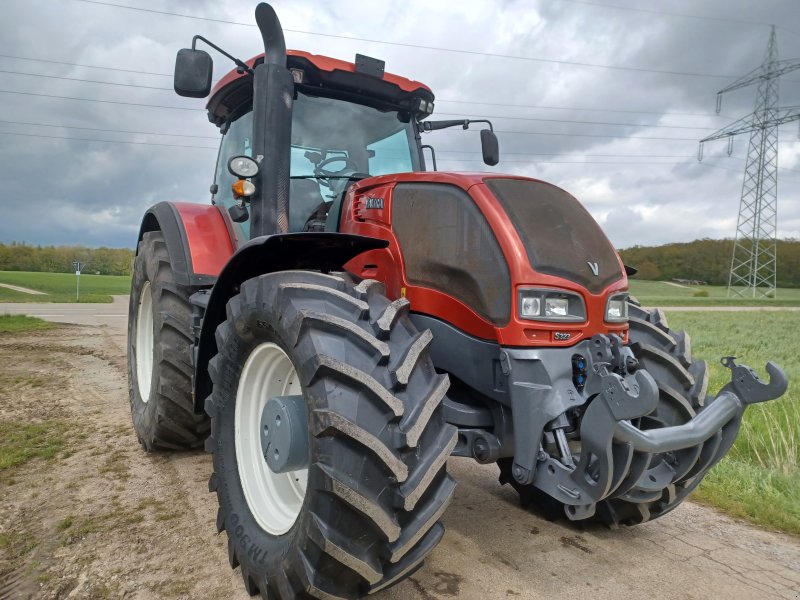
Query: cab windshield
x,y
334,143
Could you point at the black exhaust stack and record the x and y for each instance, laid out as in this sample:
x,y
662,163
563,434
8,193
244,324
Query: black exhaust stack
x,y
273,97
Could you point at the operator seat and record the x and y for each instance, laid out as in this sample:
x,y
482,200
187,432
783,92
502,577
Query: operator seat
x,y
304,198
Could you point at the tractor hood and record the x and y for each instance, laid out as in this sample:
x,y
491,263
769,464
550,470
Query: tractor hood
x,y
474,246
559,236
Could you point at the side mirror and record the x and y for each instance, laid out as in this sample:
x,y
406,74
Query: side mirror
x,y
490,147
193,69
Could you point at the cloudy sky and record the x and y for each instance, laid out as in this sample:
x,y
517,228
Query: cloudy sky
x,y
604,98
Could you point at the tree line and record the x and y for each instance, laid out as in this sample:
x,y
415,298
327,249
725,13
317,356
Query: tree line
x,y
58,259
705,260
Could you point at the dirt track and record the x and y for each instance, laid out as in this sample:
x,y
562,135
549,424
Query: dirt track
x,y
103,519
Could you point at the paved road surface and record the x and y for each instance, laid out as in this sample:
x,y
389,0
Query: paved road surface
x,y
493,548
114,314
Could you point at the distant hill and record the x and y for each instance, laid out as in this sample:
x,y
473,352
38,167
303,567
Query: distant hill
x,y
705,260
58,259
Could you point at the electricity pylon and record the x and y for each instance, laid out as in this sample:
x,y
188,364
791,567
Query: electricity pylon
x,y
754,261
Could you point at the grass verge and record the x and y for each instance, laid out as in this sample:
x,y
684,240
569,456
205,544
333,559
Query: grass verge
x,y
60,287
663,293
22,323
759,480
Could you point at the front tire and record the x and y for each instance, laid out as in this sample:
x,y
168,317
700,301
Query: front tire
x,y
376,483
159,353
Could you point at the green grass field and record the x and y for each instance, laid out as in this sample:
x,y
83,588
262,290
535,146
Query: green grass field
x,y
760,479
661,293
60,287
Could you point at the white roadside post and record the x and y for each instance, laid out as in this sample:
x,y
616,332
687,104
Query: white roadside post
x,y
78,266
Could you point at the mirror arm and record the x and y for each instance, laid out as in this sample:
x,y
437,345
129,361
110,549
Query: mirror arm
x,y
464,123
489,123
243,67
436,125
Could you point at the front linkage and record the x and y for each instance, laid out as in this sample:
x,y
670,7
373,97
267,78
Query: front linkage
x,y
616,458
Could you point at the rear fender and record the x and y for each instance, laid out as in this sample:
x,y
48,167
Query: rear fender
x,y
268,254
198,240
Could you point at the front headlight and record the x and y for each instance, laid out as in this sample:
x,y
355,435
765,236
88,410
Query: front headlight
x,y
551,305
617,308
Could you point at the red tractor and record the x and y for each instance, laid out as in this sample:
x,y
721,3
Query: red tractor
x,y
340,321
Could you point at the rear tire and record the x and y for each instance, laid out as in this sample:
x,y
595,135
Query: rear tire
x,y
159,353
377,482
682,384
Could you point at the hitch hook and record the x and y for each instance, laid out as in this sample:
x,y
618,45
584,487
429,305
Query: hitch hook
x,y
749,387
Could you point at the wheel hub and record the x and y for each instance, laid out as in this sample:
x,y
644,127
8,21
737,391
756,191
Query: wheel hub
x,y
274,498
284,435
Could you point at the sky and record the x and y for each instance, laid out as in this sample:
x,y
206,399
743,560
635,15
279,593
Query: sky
x,y
604,98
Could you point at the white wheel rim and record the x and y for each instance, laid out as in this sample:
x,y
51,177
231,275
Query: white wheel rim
x,y
274,499
144,342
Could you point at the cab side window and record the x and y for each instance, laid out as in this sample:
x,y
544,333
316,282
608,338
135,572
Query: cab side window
x,y
236,142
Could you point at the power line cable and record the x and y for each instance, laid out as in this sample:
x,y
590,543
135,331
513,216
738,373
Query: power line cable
x,y
71,64
604,162
101,101
56,137
449,114
578,108
512,132
472,152
744,159
506,131
133,85
205,137
420,46
448,100
69,138
593,135
581,162
739,171
666,13
150,87
137,132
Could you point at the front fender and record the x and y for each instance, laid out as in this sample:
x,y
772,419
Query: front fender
x,y
268,254
198,240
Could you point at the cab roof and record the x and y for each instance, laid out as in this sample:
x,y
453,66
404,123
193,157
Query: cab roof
x,y
323,76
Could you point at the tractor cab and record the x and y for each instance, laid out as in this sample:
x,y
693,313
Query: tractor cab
x,y
350,121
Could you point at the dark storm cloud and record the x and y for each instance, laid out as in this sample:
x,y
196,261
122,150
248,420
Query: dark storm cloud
x,y
67,191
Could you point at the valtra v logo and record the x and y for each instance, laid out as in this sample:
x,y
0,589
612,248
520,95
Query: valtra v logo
x,y
594,267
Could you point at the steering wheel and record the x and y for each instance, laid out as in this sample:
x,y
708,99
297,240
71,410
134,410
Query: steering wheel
x,y
321,173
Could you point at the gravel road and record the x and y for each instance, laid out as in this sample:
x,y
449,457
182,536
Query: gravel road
x,y
102,519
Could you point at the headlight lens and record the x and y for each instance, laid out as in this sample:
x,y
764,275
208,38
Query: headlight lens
x,y
617,308
551,305
530,306
556,307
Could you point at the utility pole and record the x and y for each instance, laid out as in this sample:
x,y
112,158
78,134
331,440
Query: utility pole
x,y
754,261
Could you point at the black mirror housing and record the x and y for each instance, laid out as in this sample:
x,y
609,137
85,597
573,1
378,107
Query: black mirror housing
x,y
193,70
490,147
